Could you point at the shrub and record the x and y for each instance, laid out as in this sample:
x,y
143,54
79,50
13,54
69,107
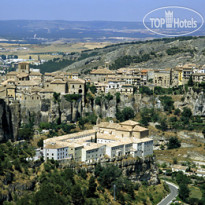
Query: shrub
x,y
177,112
126,114
98,100
173,143
109,97
72,97
167,103
145,90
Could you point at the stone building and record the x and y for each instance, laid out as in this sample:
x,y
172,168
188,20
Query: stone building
x,y
198,77
162,78
76,86
106,139
100,74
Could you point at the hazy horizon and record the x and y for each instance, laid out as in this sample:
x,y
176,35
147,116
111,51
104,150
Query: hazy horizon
x,y
88,10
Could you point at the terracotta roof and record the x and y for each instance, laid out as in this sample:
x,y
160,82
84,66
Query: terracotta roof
x,y
139,128
36,89
28,83
35,73
7,81
102,71
12,73
58,82
49,74
21,75
129,122
46,90
76,81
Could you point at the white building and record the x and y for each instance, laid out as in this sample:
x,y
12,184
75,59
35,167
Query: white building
x,y
113,141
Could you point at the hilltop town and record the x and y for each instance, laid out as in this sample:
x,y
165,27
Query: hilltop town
x,y
145,122
29,86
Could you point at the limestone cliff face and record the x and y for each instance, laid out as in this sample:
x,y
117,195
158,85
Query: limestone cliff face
x,y
6,128
195,101
15,114
136,169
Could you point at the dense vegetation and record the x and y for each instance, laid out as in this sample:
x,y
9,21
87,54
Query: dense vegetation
x,y
53,65
47,183
72,97
58,64
64,186
127,60
175,50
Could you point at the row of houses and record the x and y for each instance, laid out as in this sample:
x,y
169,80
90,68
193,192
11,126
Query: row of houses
x,y
104,140
200,172
123,79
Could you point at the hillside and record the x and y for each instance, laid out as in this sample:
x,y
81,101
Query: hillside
x,y
160,53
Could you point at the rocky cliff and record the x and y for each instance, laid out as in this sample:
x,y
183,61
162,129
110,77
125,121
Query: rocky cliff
x,y
15,114
137,169
6,125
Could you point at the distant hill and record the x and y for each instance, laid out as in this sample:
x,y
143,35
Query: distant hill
x,y
158,53
39,31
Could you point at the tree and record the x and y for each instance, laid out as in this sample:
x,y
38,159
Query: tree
x,y
173,143
40,143
92,188
93,89
187,112
128,113
183,191
163,125
109,97
72,97
177,112
77,195
25,133
117,97
109,175
98,100
190,82
82,121
56,97
186,115
167,102
145,90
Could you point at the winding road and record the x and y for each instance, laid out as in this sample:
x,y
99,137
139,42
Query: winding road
x,y
173,193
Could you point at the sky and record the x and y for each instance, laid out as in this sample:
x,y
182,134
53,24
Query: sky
x,y
89,10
